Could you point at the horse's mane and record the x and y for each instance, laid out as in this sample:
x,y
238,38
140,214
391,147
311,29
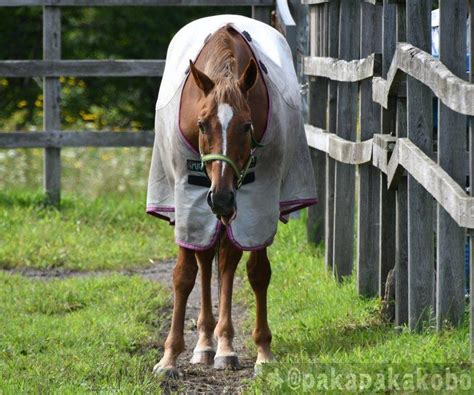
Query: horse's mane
x,y
222,68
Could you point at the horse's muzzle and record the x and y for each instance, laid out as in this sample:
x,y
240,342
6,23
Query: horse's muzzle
x,y
222,203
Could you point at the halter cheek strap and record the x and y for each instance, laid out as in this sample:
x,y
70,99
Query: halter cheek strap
x,y
224,158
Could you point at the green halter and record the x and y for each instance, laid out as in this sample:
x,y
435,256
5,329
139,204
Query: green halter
x,y
224,158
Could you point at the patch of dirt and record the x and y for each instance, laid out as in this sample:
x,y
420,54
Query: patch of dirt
x,y
196,379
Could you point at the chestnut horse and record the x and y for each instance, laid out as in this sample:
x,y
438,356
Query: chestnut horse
x,y
224,107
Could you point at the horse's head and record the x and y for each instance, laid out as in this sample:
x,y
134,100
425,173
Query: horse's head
x,y
225,132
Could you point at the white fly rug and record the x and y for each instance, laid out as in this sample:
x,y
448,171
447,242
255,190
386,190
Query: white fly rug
x,y
281,180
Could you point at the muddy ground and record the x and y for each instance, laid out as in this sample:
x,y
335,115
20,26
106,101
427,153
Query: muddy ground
x,y
196,379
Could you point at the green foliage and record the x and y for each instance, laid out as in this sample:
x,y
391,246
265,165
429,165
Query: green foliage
x,y
80,335
110,232
92,33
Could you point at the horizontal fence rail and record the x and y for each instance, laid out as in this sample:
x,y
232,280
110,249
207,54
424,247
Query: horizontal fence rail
x,y
61,139
354,153
94,3
453,91
344,71
82,68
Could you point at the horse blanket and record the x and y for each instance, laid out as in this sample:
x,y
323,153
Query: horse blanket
x,y
281,176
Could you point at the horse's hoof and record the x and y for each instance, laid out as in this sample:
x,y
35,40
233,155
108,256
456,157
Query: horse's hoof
x,y
167,373
204,357
226,362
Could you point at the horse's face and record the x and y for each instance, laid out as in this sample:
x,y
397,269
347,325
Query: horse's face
x,y
224,125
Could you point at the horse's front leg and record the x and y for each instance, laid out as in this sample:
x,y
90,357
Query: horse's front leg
x,y
229,257
184,277
204,351
259,273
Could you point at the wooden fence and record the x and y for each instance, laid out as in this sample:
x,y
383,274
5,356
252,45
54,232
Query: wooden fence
x,y
376,155
51,67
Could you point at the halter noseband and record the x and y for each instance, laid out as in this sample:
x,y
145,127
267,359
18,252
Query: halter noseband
x,y
224,158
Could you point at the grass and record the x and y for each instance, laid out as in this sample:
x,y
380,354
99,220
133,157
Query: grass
x,y
108,232
79,335
318,324
98,334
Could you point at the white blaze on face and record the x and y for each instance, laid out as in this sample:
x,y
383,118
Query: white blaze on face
x,y
225,115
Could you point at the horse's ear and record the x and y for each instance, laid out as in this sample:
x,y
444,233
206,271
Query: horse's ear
x,y
249,77
202,80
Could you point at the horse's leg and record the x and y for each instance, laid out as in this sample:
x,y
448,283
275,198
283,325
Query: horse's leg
x,y
259,273
229,257
204,351
184,277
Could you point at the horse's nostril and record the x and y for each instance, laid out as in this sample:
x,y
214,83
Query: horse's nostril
x,y
209,199
231,199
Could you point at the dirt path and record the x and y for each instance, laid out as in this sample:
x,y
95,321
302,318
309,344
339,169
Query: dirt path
x,y
204,379
196,378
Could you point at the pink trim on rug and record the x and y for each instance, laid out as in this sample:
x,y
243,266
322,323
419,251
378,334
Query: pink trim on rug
x,y
196,247
291,206
243,248
164,209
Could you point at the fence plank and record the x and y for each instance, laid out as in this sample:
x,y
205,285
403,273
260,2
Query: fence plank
x,y
401,239
419,131
51,104
59,139
368,214
471,178
318,89
82,68
262,14
333,51
342,150
93,3
451,239
456,93
387,207
344,71
344,186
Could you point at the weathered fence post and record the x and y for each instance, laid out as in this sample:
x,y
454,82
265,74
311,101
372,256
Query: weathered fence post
x,y
344,192
368,212
333,51
451,238
318,88
386,259
471,181
262,14
401,237
420,203
51,103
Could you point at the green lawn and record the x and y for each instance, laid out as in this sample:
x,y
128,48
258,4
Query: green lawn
x,y
79,335
318,324
100,334
108,232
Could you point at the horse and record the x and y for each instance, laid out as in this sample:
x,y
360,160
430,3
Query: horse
x,y
223,110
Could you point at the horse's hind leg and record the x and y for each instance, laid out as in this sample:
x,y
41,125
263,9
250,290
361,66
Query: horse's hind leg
x,y
204,351
259,274
229,258
184,277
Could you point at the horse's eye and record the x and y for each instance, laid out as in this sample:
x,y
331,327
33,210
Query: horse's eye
x,y
201,127
248,127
